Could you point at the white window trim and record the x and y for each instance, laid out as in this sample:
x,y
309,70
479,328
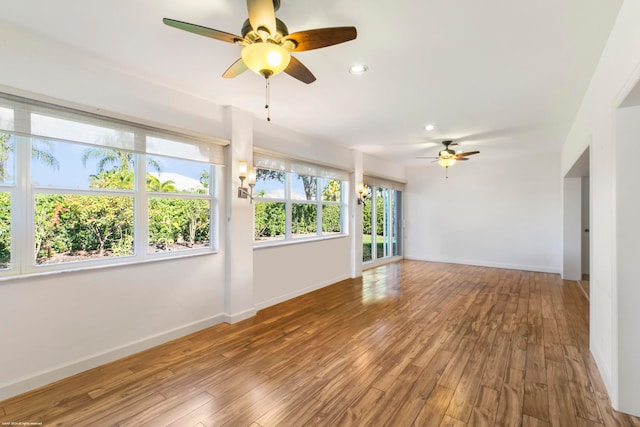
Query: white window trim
x,y
389,232
22,193
318,202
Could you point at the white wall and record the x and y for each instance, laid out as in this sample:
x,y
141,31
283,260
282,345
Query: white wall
x,y
50,69
499,213
270,136
617,73
57,325
381,168
627,249
284,272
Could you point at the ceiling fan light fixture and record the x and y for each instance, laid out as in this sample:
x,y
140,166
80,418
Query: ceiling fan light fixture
x,y
266,59
446,162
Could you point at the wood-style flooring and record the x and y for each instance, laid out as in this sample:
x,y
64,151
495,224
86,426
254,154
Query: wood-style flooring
x,y
411,343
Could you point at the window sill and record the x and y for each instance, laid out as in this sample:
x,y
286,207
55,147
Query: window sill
x,y
76,268
274,244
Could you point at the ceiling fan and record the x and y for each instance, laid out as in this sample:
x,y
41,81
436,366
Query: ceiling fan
x,y
266,42
448,157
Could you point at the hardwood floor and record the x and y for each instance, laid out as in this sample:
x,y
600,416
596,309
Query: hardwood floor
x,y
412,343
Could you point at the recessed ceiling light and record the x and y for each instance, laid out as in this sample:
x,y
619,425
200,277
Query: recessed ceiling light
x,y
358,69
429,127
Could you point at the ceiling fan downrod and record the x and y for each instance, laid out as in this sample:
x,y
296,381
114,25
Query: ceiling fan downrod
x,y
266,105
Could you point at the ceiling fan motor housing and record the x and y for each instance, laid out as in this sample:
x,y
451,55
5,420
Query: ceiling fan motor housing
x,y
281,28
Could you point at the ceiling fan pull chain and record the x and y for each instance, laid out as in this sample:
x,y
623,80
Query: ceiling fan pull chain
x,y
267,97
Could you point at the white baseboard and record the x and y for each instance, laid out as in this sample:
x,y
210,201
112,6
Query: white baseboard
x,y
239,317
39,379
524,267
297,293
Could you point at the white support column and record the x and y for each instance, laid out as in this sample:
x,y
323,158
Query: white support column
x,y
239,304
355,215
627,268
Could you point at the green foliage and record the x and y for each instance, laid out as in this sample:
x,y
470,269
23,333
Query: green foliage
x,y
204,179
94,225
115,179
5,230
154,184
115,160
6,147
331,191
304,219
103,225
366,250
269,220
269,175
331,221
66,224
269,217
366,216
180,221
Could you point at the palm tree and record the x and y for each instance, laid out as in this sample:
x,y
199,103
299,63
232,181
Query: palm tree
x,y
113,179
40,150
120,160
154,184
5,149
109,159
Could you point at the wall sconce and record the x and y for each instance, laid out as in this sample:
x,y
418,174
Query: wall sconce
x,y
363,192
244,173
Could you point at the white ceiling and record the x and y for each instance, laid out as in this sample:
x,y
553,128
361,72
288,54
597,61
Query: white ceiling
x,y
501,76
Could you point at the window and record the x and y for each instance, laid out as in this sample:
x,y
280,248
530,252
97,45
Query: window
x,y
7,188
381,226
298,204
5,230
179,211
97,192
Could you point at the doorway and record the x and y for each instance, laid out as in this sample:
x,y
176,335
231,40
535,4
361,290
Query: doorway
x,y
576,239
381,225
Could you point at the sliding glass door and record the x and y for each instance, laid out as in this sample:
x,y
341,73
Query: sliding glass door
x,y
381,227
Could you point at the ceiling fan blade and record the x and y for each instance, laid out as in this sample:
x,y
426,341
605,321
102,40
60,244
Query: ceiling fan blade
x,y
297,70
321,37
203,31
460,158
262,15
235,69
468,153
427,157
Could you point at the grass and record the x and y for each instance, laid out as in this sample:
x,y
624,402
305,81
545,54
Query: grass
x,y
366,239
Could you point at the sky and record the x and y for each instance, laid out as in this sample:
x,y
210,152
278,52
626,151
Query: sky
x,y
73,174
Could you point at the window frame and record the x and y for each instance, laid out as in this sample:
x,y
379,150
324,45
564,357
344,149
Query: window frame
x,y
289,201
23,192
392,204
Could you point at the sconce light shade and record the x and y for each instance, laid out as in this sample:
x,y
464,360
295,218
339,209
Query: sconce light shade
x,y
242,169
266,59
363,192
251,178
249,175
